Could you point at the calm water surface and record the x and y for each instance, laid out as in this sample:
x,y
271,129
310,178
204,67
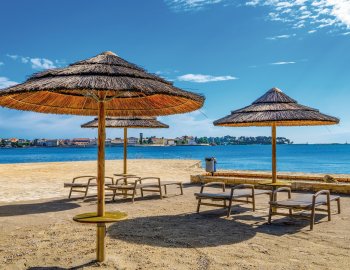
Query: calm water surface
x,y
290,158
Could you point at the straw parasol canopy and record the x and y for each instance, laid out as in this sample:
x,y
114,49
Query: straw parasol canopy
x,y
274,109
127,89
125,123
128,122
102,85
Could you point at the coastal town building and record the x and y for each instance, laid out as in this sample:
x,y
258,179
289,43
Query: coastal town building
x,y
133,140
81,141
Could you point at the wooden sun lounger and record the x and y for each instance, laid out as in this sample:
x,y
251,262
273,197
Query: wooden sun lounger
x,y
237,194
132,183
309,202
81,184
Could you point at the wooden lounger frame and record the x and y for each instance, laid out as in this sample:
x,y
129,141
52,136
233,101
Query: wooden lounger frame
x,y
139,183
312,206
83,187
229,198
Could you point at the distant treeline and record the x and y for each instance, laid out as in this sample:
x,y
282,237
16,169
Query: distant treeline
x,y
230,140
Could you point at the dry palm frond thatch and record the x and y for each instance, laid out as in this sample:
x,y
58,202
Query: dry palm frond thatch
x,y
276,108
127,89
128,122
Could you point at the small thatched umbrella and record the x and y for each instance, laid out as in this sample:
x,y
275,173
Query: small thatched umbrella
x,y
125,123
274,109
103,85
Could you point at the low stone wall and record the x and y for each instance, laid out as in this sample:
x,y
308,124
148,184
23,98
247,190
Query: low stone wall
x,y
283,176
340,187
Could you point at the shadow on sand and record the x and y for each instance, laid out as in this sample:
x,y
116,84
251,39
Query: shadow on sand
x,y
207,229
92,263
36,208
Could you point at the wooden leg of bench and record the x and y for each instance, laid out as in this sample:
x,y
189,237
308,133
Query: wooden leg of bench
x,y
86,191
312,218
338,203
270,214
165,190
133,195
70,193
141,192
182,192
229,208
329,210
198,205
253,202
160,192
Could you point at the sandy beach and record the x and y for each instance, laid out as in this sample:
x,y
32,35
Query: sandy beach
x,y
37,230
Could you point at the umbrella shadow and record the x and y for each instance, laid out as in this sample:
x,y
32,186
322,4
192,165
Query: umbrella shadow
x,y
207,229
187,230
92,263
287,225
36,208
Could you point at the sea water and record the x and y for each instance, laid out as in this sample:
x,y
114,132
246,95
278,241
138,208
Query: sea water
x,y
313,158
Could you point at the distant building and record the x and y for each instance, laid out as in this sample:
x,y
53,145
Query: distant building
x,y
81,141
141,138
191,141
117,141
51,143
133,140
170,142
159,141
13,140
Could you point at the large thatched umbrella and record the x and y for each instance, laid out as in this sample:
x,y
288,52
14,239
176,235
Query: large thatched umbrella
x,y
125,123
274,109
103,85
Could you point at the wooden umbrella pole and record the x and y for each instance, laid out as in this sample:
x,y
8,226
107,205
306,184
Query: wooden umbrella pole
x,y
274,167
101,227
125,150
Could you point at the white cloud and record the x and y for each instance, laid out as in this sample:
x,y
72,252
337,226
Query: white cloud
x,y
12,56
283,63
345,34
5,82
252,3
281,37
188,5
200,78
41,63
312,31
302,13
297,13
36,63
1,63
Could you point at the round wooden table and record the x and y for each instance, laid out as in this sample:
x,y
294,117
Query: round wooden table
x,y
92,217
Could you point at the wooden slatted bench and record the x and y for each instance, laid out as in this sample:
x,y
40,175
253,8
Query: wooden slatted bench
x,y
237,194
85,182
310,202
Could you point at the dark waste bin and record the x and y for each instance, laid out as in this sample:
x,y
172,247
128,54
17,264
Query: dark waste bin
x,y
210,165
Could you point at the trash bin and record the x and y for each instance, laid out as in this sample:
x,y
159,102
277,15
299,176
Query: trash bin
x,y
210,165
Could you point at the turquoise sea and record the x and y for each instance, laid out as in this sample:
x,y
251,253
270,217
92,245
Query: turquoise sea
x,y
290,158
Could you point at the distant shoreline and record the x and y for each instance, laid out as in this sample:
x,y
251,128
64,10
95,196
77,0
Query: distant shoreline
x,y
157,145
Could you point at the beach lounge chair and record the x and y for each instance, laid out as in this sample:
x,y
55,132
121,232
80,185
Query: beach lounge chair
x,y
307,202
241,193
123,186
145,184
81,184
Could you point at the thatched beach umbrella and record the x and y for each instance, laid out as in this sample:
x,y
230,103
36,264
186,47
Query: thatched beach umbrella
x,y
102,85
274,109
125,123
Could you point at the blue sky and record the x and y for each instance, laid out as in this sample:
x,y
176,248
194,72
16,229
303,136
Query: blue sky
x,y
230,51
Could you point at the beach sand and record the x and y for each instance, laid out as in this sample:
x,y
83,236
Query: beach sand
x,y
37,231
